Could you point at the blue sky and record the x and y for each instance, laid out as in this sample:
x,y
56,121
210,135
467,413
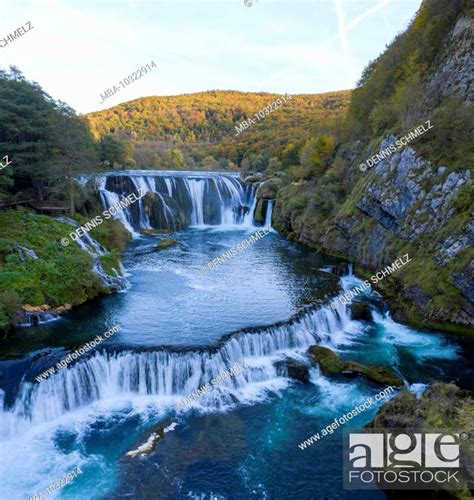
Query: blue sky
x,y
80,48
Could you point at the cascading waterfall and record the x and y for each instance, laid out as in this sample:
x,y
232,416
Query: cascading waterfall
x,y
177,200
96,250
37,318
269,213
172,375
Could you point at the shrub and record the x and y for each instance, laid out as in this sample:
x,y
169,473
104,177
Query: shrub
x,y
10,309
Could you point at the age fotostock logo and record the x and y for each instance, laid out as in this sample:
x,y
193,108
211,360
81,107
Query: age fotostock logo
x,y
404,460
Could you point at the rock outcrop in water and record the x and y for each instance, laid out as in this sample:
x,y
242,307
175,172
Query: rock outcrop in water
x,y
330,364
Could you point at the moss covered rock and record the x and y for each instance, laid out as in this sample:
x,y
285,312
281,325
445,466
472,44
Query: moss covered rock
x,y
154,232
295,370
269,189
330,364
259,215
169,242
360,311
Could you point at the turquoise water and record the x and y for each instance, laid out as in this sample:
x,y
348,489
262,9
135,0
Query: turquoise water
x,y
241,440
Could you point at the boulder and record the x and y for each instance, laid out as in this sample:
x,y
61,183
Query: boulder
x,y
260,211
250,179
269,189
295,370
443,408
360,311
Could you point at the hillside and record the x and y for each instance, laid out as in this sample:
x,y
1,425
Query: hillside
x,y
198,130
414,199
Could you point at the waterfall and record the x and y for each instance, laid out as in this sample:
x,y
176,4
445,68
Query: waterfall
x,y
268,215
96,250
37,318
177,200
171,375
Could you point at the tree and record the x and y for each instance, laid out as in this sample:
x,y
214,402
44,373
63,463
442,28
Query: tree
x,y
75,150
26,116
290,155
112,151
316,156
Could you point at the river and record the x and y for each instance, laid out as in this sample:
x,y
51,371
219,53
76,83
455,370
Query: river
x,y
180,328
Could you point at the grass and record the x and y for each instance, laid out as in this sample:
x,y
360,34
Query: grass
x,y
61,274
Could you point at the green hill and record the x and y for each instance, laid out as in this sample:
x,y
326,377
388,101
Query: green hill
x,y
198,130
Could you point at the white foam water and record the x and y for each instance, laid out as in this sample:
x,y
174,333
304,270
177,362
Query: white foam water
x,y
150,383
193,191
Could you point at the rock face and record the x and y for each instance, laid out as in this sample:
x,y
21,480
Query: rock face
x,y
260,211
443,408
404,199
330,364
412,199
456,70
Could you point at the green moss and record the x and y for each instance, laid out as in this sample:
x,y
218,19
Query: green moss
x,y
269,188
154,232
61,274
326,359
110,234
169,242
442,408
330,363
258,215
110,261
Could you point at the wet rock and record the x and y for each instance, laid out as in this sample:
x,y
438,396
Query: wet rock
x,y
149,445
341,269
251,179
168,242
295,370
360,311
330,364
154,232
24,253
260,211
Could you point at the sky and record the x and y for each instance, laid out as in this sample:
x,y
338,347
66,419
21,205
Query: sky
x,y
78,49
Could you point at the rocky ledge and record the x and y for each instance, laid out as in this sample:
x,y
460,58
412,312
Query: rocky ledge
x,y
330,364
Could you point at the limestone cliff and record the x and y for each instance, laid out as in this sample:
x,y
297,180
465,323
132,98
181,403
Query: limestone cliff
x,y
413,198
